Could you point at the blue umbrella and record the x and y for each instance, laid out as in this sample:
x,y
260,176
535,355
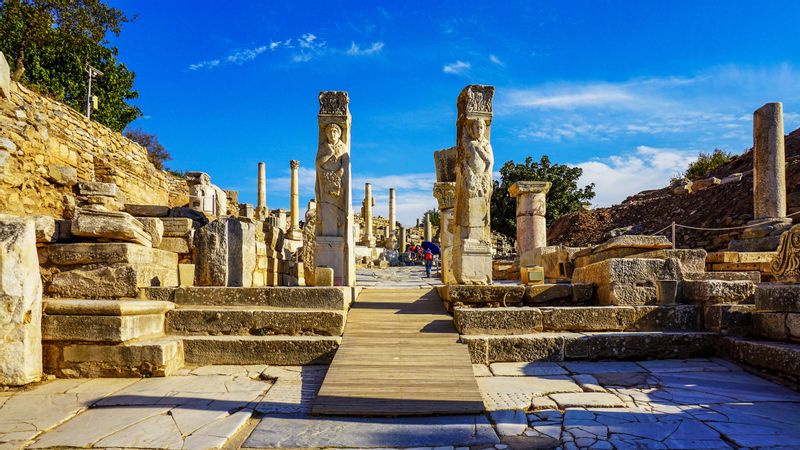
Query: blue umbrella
x,y
432,247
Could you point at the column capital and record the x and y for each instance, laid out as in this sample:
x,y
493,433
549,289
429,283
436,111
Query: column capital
x,y
294,164
529,187
445,193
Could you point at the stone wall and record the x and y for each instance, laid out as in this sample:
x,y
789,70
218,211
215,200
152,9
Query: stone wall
x,y
46,147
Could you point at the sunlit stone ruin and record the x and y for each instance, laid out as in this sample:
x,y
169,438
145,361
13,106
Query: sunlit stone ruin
x,y
142,309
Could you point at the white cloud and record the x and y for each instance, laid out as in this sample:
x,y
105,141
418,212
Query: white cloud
x,y
310,47
243,56
204,64
356,50
495,60
456,67
620,176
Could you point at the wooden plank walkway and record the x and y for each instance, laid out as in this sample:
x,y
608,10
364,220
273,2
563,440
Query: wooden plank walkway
x,y
399,356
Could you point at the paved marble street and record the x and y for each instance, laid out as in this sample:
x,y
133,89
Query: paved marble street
x,y
397,277
697,403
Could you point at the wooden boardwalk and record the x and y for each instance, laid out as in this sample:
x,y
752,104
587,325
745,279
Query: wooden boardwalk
x,y
399,356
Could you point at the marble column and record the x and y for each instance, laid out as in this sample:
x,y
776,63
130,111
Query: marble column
x,y
401,245
294,233
428,232
769,163
531,224
445,193
366,213
335,246
472,252
392,242
261,204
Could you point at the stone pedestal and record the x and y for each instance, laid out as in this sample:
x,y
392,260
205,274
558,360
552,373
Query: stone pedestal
x,y
769,183
531,224
335,246
445,193
294,232
366,213
472,254
225,253
21,291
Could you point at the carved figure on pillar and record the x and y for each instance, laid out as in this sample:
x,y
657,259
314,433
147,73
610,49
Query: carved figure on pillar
x,y
334,228
472,263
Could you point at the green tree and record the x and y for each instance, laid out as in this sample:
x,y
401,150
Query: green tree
x,y
706,163
156,152
49,44
564,196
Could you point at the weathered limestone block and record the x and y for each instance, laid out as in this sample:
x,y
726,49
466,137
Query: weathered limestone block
x,y
178,227
502,295
729,320
154,227
503,320
188,213
719,291
112,225
97,188
185,275
770,325
651,345
21,300
639,281
46,229
5,78
110,321
225,253
445,161
598,318
63,175
705,183
778,297
145,358
147,210
103,270
776,357
323,276
180,245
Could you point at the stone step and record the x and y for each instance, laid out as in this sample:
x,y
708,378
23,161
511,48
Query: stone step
x,y
248,320
713,291
778,297
281,297
776,325
525,320
777,358
106,321
560,294
244,350
561,346
156,357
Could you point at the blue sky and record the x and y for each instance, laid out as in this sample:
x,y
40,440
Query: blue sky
x,y
630,91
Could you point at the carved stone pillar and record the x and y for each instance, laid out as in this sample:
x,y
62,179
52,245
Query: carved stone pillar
x,y
445,194
392,241
531,224
335,246
294,232
366,213
401,244
428,231
472,252
261,204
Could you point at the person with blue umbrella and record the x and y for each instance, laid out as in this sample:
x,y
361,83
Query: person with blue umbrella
x,y
428,262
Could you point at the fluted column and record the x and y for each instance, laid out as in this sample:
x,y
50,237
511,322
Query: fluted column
x,y
261,205
294,227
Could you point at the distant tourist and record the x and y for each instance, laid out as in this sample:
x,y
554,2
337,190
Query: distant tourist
x,y
428,262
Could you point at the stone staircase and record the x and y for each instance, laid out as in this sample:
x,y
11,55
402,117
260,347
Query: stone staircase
x,y
275,325
173,327
520,334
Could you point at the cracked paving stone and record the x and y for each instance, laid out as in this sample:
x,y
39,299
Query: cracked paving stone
x,y
587,399
683,365
516,392
521,369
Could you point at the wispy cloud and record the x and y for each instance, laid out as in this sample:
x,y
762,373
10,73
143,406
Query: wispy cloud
x,y
207,64
356,50
456,67
237,57
495,60
620,176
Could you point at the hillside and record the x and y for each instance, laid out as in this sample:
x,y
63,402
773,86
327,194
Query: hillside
x,y
722,205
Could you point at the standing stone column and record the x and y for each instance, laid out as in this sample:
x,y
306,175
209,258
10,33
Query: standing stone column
x,y
261,205
335,246
401,246
428,232
769,163
366,214
392,242
472,253
445,194
531,224
294,232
